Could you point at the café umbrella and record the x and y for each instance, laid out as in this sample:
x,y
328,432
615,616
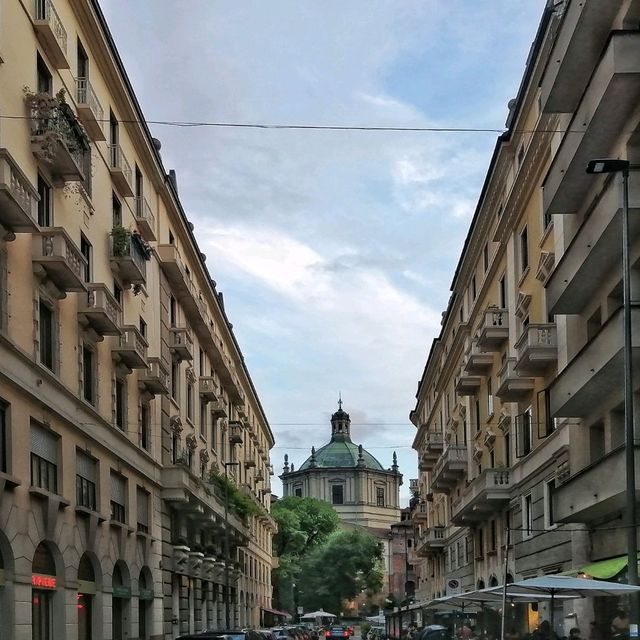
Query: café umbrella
x,y
552,586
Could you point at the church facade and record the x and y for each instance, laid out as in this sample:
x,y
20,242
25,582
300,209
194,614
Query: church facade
x,y
362,491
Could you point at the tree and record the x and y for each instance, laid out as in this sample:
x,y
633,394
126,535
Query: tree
x,y
303,523
349,563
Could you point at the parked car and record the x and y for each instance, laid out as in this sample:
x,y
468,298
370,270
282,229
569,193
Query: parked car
x,y
435,632
337,632
212,634
268,634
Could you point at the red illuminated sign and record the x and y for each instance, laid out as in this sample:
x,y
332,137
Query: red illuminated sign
x,y
43,582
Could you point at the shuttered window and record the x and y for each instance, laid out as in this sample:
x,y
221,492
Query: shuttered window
x,y
44,459
86,474
118,497
142,498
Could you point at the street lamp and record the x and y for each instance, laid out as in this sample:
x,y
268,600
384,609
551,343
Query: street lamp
x,y
227,559
605,166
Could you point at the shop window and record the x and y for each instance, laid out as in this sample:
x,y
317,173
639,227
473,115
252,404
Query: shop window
x,y
44,459
86,595
44,585
86,479
118,497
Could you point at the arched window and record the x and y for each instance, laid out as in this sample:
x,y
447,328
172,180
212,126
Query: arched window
x,y
44,584
86,595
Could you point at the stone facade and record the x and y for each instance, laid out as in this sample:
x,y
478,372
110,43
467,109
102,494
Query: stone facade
x,y
124,398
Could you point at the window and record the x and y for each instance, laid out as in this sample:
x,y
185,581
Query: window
x,y
214,434
479,544
200,362
547,219
118,497
114,136
173,313
524,250
142,500
143,327
171,238
46,322
175,380
521,154
145,426
524,434
298,492
473,288
380,496
45,204
3,439
203,419
86,251
44,80
88,374
117,293
477,416
467,549
507,449
549,490
493,535
139,191
485,257
502,291
175,448
86,477
489,397
116,209
337,494
83,63
527,516
459,550
121,404
190,401
44,459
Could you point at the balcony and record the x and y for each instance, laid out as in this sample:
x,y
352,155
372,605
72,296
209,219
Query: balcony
x,y
155,379
145,219
594,250
608,102
593,379
50,33
494,330
58,141
249,462
235,432
581,38
597,492
450,468
432,449
120,171
56,257
431,542
537,349
131,349
486,495
173,268
181,343
101,310
127,257
477,362
18,197
513,387
207,388
467,385
90,110
421,512
218,409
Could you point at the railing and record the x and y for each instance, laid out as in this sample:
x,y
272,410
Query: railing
x,y
207,385
494,317
158,370
19,187
131,338
507,371
181,337
56,243
453,453
143,211
538,335
119,161
86,95
99,297
44,10
434,438
129,248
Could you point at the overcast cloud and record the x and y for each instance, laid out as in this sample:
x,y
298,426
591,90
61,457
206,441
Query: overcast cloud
x,y
334,250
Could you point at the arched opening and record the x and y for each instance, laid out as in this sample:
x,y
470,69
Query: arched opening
x,y
493,581
509,578
480,584
6,588
86,598
145,602
121,596
47,606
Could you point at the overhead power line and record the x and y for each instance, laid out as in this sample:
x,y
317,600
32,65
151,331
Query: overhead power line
x,y
318,127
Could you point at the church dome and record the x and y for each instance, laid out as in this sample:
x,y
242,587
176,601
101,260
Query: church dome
x,y
340,454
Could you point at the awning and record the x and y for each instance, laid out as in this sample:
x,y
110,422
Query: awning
x,y
275,612
605,569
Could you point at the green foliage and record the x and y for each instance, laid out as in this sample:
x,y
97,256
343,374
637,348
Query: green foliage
x,y
120,239
303,523
364,629
239,503
348,564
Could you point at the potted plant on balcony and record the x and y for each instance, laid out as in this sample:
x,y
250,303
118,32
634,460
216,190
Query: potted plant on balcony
x,y
120,241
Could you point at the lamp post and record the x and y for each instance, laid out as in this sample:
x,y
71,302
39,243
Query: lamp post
x,y
605,166
227,559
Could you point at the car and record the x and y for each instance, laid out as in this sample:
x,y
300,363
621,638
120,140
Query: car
x,y
337,632
268,634
215,634
435,632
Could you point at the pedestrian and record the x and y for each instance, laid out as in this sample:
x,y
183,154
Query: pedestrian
x,y
595,631
620,623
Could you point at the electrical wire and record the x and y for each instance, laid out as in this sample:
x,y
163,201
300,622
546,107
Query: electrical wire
x,y
318,127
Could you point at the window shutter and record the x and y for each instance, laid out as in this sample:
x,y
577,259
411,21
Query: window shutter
x,y
143,507
520,421
85,466
44,444
118,488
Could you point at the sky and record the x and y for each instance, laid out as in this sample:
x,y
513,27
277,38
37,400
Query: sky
x,y
335,251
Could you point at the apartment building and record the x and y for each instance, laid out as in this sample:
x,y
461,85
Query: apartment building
x,y
519,408
128,419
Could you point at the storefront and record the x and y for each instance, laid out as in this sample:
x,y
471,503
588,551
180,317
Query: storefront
x,y
86,598
44,585
121,598
145,604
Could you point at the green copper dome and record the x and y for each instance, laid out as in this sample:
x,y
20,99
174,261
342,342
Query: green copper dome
x,y
340,454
